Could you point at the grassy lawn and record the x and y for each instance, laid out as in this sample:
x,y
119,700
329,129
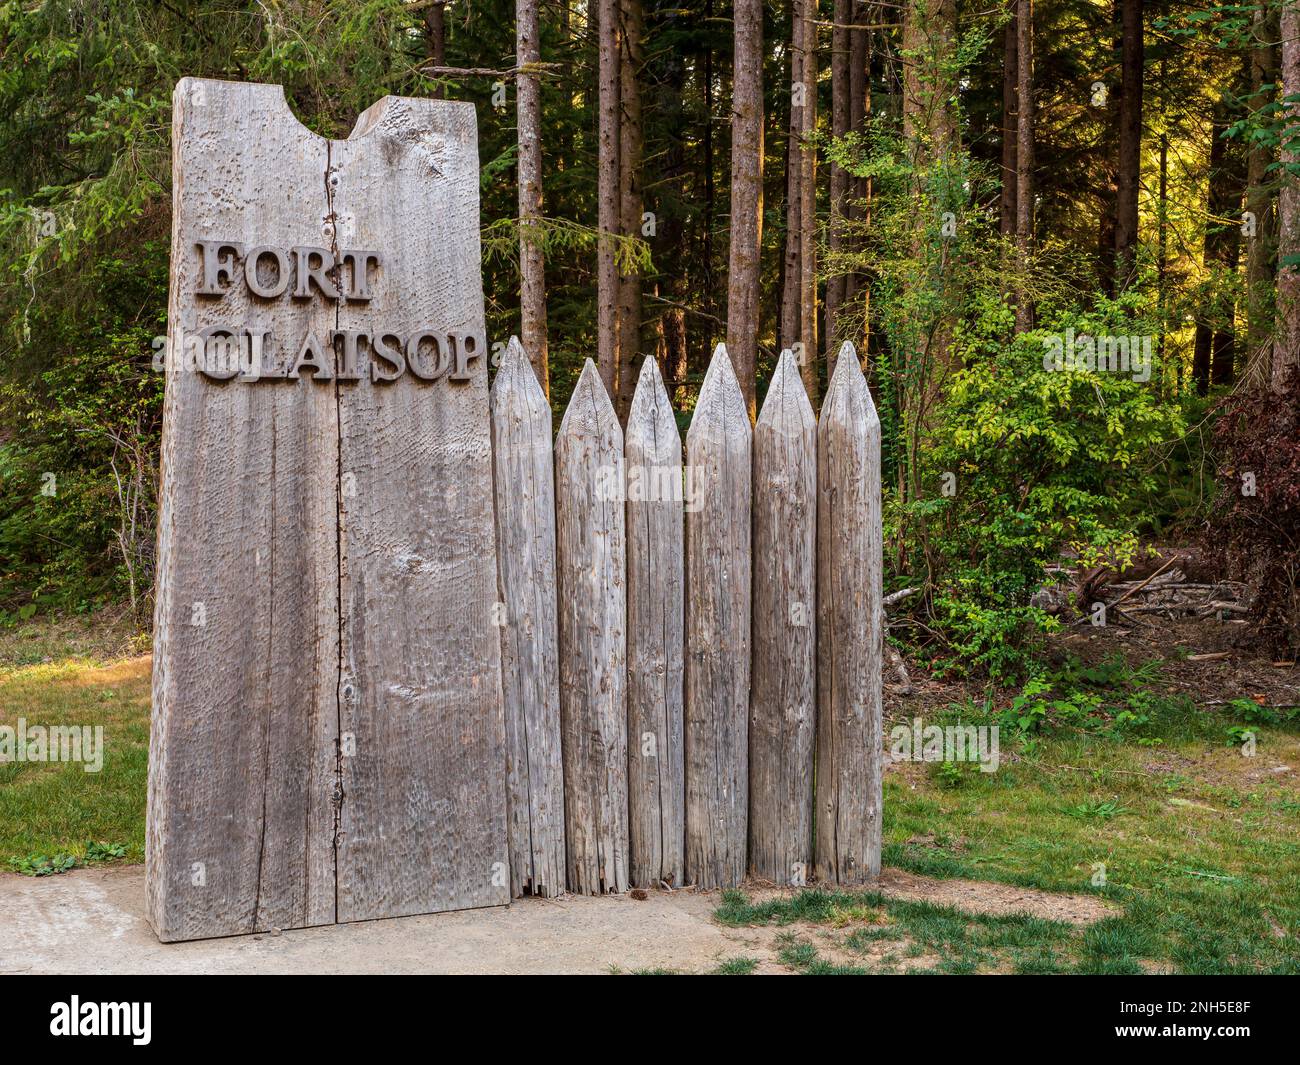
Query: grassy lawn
x,y
1196,846
74,673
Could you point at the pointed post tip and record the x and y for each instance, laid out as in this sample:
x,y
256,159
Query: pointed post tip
x,y
649,372
589,385
516,370
786,385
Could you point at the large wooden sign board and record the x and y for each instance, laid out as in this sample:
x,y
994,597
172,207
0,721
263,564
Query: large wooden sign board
x,y
327,679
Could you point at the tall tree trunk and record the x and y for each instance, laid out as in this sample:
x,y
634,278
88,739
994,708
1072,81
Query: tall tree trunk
x,y
532,269
710,283
931,138
1286,349
674,267
791,273
929,44
1010,176
630,202
1261,238
808,208
746,194
1024,160
1224,244
435,38
1203,344
856,293
1130,141
1162,210
840,181
607,195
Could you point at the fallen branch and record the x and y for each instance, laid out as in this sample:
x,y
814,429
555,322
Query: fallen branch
x,y
897,597
488,72
1134,591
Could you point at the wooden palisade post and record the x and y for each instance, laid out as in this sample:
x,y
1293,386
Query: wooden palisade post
x,y
590,538
849,611
718,447
783,707
655,620
525,517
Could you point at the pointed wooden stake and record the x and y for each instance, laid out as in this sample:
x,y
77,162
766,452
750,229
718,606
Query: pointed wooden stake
x,y
590,537
784,707
525,519
849,619
718,561
655,640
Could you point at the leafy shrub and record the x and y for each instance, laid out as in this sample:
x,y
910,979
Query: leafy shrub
x,y
1037,463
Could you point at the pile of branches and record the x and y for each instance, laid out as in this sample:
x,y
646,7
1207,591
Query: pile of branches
x,y
1170,594
1254,532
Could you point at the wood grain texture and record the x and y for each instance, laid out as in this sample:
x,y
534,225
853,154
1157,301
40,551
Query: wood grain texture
x,y
336,540
242,764
718,568
592,558
783,707
423,822
850,615
655,635
523,461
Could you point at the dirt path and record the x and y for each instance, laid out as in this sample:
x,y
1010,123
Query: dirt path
x,y
92,921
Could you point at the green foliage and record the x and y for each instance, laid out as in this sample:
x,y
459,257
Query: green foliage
x,y
1111,700
1101,810
43,864
737,967
104,852
95,853
1038,463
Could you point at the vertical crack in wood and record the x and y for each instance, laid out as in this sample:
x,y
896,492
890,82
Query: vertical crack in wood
x,y
339,526
266,720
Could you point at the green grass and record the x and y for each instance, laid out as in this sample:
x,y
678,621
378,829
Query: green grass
x,y
73,674
1198,846
961,942
736,967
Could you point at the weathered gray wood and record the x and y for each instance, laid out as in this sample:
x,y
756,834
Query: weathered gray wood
x,y
783,707
422,826
592,557
242,762
525,493
655,635
718,562
328,741
850,615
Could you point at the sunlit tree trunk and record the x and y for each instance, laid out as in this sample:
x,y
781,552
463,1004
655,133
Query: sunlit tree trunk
x,y
532,270
1024,159
791,273
808,208
746,194
840,181
607,196
630,200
